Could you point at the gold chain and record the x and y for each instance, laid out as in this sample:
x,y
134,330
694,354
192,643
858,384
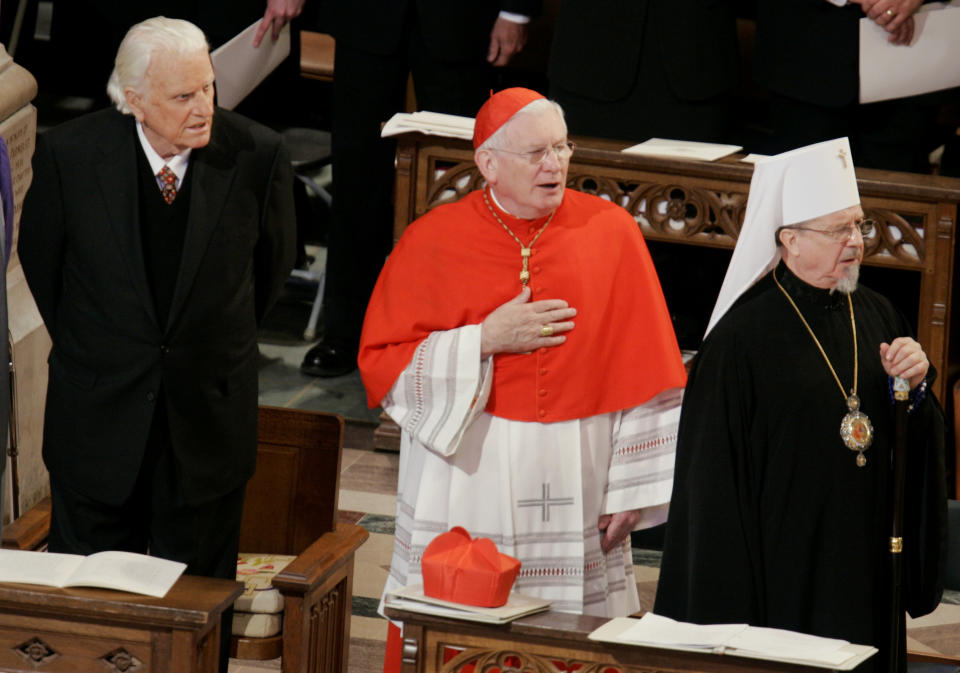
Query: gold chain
x,y
853,328
525,251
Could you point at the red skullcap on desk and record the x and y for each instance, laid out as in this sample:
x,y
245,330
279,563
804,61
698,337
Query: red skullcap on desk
x,y
498,109
463,570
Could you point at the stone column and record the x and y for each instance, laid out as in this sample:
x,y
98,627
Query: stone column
x,y
18,127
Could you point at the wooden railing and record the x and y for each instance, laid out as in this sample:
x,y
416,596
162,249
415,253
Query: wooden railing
x,y
909,256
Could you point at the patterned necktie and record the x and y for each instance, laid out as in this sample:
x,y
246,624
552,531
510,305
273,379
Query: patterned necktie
x,y
168,184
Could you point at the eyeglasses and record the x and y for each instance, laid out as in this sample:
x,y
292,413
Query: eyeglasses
x,y
843,232
537,157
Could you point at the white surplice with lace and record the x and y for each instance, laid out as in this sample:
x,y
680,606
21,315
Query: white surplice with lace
x,y
536,489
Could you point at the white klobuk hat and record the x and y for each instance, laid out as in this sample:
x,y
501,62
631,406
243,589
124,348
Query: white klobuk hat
x,y
788,188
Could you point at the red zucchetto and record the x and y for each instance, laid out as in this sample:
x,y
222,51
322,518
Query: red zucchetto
x,y
498,109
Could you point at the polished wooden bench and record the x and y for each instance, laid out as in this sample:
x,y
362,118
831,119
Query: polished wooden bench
x,y
316,55
290,508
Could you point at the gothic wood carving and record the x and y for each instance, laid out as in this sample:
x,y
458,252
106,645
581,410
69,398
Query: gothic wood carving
x,y
122,661
517,661
36,651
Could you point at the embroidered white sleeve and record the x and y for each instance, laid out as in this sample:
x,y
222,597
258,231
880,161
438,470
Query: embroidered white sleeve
x,y
443,389
644,448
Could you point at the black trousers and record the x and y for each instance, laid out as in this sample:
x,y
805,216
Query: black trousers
x,y
887,135
156,519
368,89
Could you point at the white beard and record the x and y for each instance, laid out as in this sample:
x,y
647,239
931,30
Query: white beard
x,y
848,283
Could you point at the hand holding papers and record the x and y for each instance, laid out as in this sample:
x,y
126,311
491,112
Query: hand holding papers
x,y
929,63
240,67
739,640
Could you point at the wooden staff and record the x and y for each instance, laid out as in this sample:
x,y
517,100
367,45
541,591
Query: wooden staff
x,y
901,396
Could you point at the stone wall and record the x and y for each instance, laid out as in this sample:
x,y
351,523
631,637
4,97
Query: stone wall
x,y
18,127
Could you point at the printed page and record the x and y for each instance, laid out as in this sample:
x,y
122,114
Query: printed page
x,y
790,645
33,567
682,149
658,630
127,572
737,640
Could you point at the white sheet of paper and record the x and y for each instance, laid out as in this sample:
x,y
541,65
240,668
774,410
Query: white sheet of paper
x,y
656,629
791,645
429,123
240,67
682,149
738,640
930,63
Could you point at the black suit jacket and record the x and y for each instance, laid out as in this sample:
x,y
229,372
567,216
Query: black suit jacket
x,y
82,256
597,46
808,50
220,20
453,31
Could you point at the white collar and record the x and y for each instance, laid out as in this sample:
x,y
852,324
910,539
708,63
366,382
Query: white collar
x,y
495,200
177,163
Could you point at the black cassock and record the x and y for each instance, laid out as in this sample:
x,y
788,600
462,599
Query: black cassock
x,y
772,522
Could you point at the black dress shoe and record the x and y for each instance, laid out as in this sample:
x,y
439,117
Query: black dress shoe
x,y
322,360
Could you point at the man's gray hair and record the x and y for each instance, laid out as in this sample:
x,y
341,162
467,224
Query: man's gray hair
x,y
142,41
498,139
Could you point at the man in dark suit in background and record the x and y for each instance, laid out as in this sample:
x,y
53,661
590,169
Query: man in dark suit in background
x,y
646,68
220,20
815,87
449,48
154,239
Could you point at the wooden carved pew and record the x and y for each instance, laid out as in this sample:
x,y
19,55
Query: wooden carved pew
x,y
290,508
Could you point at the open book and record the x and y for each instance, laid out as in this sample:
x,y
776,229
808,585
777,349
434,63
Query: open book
x,y
119,570
738,640
429,123
414,600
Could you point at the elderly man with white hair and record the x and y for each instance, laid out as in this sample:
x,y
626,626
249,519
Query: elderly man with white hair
x,y
520,339
781,506
154,238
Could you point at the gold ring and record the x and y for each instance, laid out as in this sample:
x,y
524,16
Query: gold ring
x,y
546,330
889,12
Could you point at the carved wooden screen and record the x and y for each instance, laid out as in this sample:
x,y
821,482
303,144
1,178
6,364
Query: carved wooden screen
x,y
909,254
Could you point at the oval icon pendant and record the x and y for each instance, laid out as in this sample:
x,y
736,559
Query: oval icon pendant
x,y
856,430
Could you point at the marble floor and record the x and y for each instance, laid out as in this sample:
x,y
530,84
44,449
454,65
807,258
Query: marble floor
x,y
368,494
